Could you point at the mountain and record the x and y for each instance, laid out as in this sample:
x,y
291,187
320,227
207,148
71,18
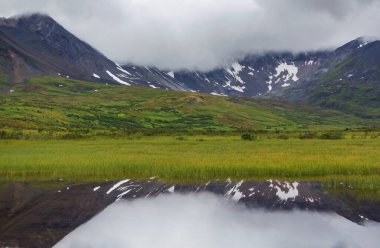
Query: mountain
x,y
37,45
345,78
269,74
351,84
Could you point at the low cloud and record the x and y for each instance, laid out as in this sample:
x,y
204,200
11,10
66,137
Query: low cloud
x,y
205,34
207,221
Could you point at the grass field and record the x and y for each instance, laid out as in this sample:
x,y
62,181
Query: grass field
x,y
192,158
57,107
54,128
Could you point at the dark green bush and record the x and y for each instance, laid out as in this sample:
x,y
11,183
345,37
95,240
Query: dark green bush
x,y
3,134
308,135
73,135
283,136
16,134
248,136
336,135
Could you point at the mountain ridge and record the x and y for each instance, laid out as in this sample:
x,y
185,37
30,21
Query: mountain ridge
x,y
36,45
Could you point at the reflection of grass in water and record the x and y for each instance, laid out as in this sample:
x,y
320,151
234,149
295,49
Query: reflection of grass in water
x,y
358,187
193,158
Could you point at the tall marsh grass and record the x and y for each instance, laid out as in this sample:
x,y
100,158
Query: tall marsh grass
x,y
171,158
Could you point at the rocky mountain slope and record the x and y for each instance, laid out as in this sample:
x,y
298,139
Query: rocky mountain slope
x,y
38,45
345,78
352,85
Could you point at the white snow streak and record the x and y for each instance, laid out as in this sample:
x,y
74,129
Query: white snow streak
x,y
171,74
117,79
237,68
117,185
121,69
235,192
217,94
234,87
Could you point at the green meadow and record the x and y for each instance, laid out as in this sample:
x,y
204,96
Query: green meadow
x,y
192,158
52,128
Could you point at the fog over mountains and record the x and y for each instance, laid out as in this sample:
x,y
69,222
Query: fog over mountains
x,y
203,35
37,45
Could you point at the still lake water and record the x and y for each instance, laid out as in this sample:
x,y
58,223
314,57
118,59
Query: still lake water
x,y
208,221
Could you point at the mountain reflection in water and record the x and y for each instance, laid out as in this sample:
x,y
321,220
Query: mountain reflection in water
x,y
205,220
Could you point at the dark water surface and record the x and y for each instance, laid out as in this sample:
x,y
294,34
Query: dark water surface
x,y
42,215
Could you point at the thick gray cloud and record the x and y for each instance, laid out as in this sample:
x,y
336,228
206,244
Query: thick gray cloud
x,y
207,221
204,34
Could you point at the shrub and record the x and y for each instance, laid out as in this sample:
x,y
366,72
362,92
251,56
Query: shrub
x,y
248,136
3,134
331,135
72,135
283,136
12,134
308,135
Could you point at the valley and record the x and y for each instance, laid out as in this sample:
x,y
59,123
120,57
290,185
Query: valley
x,y
285,139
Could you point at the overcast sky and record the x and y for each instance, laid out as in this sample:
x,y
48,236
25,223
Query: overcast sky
x,y
205,34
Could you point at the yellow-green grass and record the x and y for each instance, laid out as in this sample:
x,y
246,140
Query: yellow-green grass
x,y
192,158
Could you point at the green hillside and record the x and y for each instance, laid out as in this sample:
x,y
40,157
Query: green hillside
x,y
47,104
352,86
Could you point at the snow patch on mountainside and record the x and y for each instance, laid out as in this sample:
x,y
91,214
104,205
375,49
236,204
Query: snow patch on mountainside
x,y
288,72
269,82
121,69
236,69
217,94
290,68
234,87
117,79
363,44
171,74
